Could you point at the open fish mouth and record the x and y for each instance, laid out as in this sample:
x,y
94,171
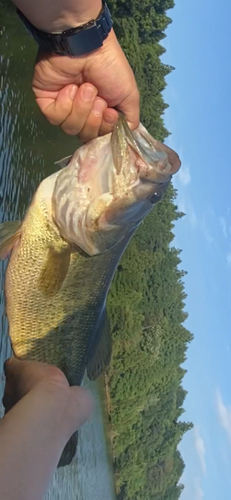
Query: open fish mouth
x,y
109,185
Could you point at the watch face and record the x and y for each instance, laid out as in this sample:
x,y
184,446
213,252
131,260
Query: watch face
x,y
81,43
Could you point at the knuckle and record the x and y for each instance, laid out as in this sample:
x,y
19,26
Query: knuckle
x,y
52,120
58,114
70,130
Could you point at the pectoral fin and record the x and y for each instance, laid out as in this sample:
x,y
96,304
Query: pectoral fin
x,y
9,235
102,354
54,272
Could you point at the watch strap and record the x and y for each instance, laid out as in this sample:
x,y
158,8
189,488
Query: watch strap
x,y
75,41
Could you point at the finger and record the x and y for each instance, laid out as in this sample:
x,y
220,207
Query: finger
x,y
56,106
110,118
8,366
130,106
81,109
81,407
94,120
8,395
23,375
23,370
12,368
11,391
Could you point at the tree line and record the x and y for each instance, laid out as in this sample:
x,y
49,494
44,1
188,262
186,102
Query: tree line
x,y
146,304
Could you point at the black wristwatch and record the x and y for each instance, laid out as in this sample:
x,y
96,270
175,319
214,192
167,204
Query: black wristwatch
x,y
75,41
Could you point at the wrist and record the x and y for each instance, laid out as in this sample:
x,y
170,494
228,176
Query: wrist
x,y
74,41
60,15
80,14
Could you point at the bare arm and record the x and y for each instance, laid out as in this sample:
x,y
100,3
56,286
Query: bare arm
x,y
34,431
58,15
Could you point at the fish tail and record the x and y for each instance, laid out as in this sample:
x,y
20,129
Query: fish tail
x,y
69,451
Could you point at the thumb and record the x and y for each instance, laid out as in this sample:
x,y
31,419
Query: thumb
x,y
80,408
130,106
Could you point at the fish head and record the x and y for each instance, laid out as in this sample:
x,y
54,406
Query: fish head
x,y
110,185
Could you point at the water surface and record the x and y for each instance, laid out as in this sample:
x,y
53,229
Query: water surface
x,y
29,146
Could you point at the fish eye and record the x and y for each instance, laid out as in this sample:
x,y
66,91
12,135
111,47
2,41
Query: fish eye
x,y
155,198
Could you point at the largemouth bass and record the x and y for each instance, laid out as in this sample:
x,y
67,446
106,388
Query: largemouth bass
x,y
65,251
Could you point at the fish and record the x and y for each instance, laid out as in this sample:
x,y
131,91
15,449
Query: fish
x,y
65,251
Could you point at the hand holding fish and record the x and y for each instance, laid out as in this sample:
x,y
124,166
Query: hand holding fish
x,y
43,412
79,92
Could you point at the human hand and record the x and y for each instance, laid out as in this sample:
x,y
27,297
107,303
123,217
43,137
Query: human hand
x,y
79,93
42,412
23,376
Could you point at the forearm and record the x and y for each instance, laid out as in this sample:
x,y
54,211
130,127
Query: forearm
x,y
32,437
58,15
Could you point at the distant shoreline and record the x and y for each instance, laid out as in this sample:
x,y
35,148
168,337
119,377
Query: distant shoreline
x,y
107,409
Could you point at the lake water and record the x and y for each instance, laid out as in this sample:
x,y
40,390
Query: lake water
x,y
29,146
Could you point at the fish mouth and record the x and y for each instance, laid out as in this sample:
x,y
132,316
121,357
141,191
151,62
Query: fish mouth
x,y
155,161
137,179
109,185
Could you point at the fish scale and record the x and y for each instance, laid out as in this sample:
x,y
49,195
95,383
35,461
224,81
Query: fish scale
x,y
66,250
44,335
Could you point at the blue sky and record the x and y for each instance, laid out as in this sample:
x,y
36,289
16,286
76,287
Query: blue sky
x,y
198,92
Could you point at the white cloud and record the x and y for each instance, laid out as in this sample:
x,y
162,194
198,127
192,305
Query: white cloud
x,y
192,215
199,494
223,226
180,181
183,175
206,233
185,206
200,448
228,258
201,223
181,202
224,413
208,236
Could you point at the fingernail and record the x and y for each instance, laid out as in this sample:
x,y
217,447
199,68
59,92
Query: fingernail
x,y
98,107
88,93
131,126
72,92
